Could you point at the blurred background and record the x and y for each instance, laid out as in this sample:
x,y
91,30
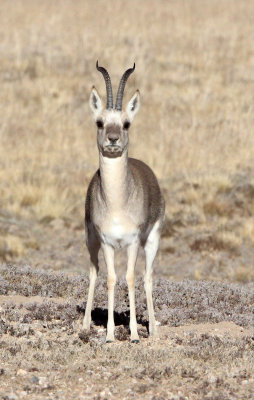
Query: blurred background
x,y
195,71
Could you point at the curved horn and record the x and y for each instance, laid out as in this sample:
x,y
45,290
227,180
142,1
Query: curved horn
x,y
119,97
108,85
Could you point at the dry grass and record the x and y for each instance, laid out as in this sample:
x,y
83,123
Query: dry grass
x,y
194,69
195,127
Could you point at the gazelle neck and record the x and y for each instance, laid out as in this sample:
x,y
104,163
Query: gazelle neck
x,y
115,175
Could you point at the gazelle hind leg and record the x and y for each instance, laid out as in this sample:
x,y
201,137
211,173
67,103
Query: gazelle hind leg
x,y
130,278
93,246
151,248
109,259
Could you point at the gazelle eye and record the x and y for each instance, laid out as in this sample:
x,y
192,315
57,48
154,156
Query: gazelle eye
x,y
99,123
126,125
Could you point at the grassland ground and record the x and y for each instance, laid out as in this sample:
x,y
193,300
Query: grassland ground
x,y
194,68
204,351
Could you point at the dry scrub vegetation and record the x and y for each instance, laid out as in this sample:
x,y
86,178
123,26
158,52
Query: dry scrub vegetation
x,y
205,350
195,128
194,68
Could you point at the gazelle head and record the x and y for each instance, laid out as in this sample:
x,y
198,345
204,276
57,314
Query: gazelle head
x,y
112,122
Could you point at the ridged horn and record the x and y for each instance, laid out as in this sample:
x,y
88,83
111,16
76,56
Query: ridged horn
x,y
108,85
119,97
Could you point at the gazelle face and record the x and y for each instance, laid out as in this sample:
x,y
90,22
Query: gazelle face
x,y
113,125
112,133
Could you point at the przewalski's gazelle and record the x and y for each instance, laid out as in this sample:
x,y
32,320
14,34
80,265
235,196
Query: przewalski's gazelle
x,y
124,204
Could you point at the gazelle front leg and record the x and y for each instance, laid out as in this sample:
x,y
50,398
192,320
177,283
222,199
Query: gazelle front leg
x,y
93,247
151,248
130,278
89,304
109,259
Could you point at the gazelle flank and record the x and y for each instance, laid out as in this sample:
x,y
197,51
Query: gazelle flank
x,y
124,204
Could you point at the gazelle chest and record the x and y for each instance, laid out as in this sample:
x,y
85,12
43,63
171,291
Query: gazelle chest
x,y
119,230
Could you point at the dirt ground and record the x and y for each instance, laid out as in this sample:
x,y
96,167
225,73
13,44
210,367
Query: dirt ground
x,y
205,348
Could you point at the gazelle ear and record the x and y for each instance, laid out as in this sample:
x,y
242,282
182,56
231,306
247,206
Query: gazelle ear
x,y
133,105
95,103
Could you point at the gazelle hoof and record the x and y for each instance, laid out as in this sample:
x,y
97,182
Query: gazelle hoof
x,y
135,341
109,341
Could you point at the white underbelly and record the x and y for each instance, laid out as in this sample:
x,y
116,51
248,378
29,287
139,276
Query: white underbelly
x,y
119,232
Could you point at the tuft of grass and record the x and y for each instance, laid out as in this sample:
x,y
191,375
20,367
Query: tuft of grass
x,y
11,246
247,230
244,274
218,207
32,244
228,240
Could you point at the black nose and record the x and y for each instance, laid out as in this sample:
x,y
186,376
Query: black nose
x,y
113,138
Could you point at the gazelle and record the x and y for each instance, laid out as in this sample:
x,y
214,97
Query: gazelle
x,y
124,204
